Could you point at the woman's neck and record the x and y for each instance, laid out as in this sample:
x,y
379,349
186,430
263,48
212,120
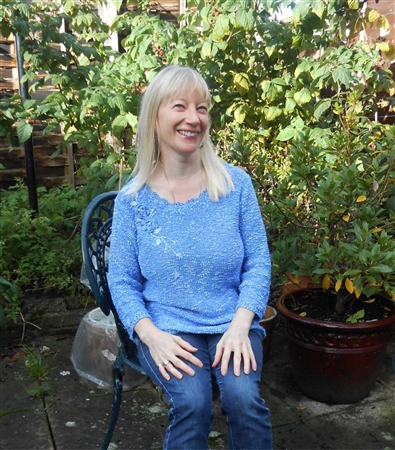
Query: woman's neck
x,y
178,180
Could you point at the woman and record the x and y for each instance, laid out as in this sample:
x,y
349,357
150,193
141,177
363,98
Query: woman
x,y
189,268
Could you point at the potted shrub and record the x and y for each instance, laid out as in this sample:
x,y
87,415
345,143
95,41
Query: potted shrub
x,y
329,206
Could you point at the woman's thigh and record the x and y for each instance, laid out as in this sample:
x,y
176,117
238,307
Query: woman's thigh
x,y
196,389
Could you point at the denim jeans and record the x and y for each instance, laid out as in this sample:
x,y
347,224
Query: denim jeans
x,y
191,403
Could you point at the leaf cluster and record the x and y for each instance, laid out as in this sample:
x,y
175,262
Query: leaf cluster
x,y
40,253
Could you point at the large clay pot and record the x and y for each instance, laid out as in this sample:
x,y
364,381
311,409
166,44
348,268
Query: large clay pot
x,y
335,362
268,323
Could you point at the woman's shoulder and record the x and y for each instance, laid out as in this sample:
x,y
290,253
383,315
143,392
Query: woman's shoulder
x,y
128,195
238,175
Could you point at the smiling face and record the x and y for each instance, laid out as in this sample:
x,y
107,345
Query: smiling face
x,y
182,123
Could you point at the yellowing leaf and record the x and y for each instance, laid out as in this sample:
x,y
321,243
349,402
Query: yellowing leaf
x,y
393,296
361,198
241,82
371,14
338,285
383,46
377,230
303,96
303,314
349,286
239,115
353,4
356,292
346,218
273,112
370,301
387,309
326,283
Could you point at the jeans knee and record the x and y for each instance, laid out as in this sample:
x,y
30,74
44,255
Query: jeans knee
x,y
242,397
194,404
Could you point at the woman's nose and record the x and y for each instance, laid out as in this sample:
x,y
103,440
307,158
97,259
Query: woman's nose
x,y
192,115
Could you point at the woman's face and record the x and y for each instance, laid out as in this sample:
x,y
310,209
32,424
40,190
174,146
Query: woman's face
x,y
182,123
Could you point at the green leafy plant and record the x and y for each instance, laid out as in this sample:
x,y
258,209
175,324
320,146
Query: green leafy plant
x,y
10,301
37,368
41,254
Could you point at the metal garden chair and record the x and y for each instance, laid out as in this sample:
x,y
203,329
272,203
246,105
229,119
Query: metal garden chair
x,y
95,242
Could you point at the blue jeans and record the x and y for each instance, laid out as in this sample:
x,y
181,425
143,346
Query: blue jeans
x,y
191,403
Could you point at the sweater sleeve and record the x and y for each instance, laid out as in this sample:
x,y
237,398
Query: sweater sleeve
x,y
256,271
124,276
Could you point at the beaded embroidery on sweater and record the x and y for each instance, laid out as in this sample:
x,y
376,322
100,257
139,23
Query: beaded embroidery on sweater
x,y
189,266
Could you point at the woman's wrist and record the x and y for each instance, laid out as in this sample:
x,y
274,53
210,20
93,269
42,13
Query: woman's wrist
x,y
243,319
146,330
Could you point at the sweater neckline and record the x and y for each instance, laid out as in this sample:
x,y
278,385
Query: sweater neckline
x,y
172,204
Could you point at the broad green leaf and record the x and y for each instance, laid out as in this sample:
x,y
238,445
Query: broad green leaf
x,y
132,120
204,13
357,316
321,107
302,97
244,19
318,7
206,49
279,82
286,134
273,112
221,28
269,49
117,4
381,268
290,104
240,115
301,9
298,123
118,126
24,130
29,104
265,85
241,82
341,75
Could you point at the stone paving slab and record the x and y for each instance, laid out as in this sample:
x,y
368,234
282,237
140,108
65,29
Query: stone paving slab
x,y
75,413
23,424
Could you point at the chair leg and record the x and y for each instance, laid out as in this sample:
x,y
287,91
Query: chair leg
x,y
117,373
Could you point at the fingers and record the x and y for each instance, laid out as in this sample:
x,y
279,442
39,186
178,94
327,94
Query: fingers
x,y
241,352
173,359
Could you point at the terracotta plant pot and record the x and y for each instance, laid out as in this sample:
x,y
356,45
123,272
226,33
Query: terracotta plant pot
x,y
268,322
335,362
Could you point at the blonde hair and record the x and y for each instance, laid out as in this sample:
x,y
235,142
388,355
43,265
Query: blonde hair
x,y
169,83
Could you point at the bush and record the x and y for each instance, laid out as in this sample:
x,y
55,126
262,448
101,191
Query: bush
x,y
41,254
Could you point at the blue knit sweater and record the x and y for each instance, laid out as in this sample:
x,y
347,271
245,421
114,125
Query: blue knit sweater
x,y
189,266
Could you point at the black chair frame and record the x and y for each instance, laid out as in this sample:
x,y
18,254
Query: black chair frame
x,y
95,243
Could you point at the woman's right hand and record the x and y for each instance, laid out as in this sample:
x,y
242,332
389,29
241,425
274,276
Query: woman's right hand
x,y
167,350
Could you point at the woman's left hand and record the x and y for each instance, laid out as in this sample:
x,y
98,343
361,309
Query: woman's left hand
x,y
236,342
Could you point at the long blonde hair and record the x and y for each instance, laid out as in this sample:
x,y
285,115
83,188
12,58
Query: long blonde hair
x,y
169,83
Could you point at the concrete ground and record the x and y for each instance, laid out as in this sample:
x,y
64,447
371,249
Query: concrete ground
x,y
74,412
